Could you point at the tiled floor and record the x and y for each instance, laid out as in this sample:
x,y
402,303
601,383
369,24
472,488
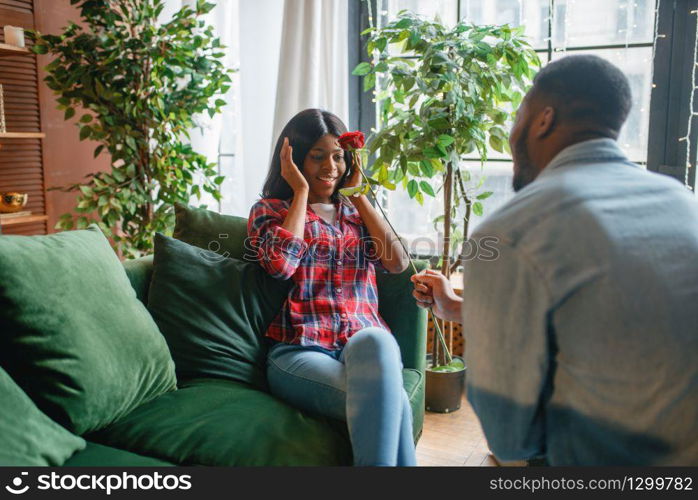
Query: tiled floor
x,y
453,439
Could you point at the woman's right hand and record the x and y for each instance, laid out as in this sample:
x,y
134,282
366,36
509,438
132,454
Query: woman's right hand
x,y
289,170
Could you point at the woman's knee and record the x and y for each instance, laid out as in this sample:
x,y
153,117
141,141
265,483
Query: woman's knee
x,y
373,341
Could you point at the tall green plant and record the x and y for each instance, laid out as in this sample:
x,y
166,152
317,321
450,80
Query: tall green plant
x,y
141,83
443,93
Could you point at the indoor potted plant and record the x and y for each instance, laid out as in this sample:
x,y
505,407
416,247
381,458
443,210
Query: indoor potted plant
x,y
445,92
141,83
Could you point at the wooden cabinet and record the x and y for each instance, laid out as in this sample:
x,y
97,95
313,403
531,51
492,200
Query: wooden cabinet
x,y
21,161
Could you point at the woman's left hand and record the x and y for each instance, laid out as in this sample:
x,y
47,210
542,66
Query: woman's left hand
x,y
354,178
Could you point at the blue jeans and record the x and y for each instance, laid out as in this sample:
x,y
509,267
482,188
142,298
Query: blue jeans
x,y
360,384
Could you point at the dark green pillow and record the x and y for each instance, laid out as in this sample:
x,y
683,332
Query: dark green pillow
x,y
74,335
213,311
28,436
223,234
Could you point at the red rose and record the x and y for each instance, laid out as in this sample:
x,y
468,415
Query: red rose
x,y
352,140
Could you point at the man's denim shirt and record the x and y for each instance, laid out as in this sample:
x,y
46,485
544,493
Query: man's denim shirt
x,y
582,332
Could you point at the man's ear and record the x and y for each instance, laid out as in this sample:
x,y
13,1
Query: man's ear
x,y
544,123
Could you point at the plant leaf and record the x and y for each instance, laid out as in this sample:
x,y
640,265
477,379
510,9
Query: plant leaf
x,y
412,188
477,208
445,140
426,187
362,69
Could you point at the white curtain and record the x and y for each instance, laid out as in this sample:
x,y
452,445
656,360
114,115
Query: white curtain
x,y
313,62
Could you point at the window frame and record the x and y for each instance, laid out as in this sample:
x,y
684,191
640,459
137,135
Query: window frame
x,y
362,109
671,94
673,62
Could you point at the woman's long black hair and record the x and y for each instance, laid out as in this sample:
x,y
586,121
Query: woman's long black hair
x,y
304,130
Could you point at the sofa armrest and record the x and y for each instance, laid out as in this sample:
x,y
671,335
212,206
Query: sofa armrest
x,y
139,272
405,318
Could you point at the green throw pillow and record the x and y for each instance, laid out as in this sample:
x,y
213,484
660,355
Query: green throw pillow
x,y
213,311
73,334
28,436
223,234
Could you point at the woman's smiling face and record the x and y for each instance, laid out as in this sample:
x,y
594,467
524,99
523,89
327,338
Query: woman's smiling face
x,y
323,168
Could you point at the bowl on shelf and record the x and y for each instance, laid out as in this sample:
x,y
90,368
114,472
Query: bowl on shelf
x,y
12,202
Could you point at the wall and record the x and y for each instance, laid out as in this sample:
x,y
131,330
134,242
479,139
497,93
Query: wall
x,y
66,159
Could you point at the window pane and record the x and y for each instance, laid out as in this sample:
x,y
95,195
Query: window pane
x,y
533,14
447,10
497,178
415,222
603,22
637,66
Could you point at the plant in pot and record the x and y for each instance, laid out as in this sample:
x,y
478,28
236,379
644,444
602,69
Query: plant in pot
x,y
444,93
141,84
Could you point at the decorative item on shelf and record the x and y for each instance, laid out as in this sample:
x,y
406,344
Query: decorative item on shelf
x,y
12,216
14,35
12,202
3,129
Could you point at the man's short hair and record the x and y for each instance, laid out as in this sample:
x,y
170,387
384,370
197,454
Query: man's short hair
x,y
585,89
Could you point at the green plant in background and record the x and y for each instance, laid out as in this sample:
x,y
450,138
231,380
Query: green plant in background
x,y
141,84
444,92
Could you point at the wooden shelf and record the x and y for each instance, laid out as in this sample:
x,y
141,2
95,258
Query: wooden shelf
x,y
22,135
10,50
23,219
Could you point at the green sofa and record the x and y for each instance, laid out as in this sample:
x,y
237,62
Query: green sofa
x,y
219,422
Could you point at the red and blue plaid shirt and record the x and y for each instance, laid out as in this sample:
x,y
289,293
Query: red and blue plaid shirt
x,y
333,269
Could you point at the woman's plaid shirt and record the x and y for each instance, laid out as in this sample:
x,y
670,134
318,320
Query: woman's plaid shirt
x,y
333,269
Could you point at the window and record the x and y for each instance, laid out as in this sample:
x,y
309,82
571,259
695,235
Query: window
x,y
621,31
673,132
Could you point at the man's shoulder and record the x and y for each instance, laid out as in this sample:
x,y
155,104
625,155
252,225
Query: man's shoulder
x,y
570,192
523,211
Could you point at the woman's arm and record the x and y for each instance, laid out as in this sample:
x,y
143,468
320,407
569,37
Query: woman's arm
x,y
276,243
388,247
278,250
295,219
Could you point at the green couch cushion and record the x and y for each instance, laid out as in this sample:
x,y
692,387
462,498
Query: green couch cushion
x,y
139,272
397,307
213,311
98,455
220,422
74,335
413,382
222,234
27,436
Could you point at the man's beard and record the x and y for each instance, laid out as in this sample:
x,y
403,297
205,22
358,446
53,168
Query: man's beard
x,y
525,173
